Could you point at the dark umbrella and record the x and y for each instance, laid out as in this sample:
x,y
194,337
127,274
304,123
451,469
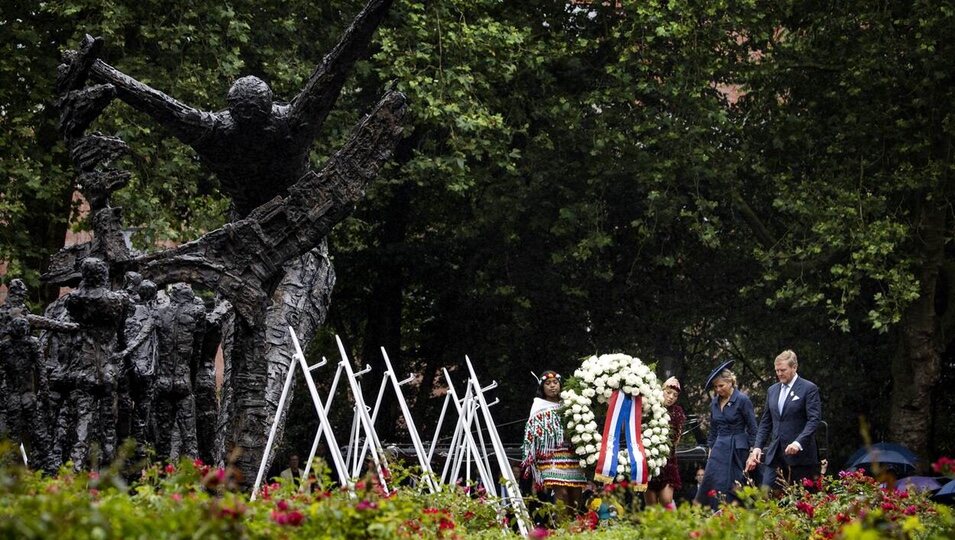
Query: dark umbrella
x,y
923,483
946,494
885,458
887,446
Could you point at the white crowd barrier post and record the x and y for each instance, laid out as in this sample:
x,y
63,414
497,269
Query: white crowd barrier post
x,y
426,472
516,500
319,432
362,411
326,426
293,362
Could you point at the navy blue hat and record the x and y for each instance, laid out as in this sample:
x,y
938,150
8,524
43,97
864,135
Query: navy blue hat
x,y
715,373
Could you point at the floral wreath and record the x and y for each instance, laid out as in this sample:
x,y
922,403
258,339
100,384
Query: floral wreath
x,y
598,377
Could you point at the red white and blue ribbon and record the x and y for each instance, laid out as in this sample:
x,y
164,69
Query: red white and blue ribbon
x,y
624,414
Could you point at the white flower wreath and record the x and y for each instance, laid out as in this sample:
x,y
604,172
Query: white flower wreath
x,y
598,377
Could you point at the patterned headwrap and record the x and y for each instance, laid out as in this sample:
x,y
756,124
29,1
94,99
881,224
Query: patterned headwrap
x,y
546,376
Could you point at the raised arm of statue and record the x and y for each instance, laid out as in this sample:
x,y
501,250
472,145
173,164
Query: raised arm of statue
x,y
186,123
311,106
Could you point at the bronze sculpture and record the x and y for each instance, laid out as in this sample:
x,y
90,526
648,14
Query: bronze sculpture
x,y
270,263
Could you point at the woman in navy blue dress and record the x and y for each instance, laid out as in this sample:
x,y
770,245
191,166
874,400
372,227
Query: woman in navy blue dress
x,y
732,434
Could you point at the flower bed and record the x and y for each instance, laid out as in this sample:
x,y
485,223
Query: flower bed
x,y
192,500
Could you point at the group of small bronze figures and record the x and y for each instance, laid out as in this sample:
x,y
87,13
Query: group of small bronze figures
x,y
109,364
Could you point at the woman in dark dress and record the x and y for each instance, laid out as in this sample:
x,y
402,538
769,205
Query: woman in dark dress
x,y
661,487
732,434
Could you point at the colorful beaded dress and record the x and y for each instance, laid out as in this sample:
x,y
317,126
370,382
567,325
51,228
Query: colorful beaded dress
x,y
547,456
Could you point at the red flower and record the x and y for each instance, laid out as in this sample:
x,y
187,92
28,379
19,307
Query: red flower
x,y
806,508
94,493
170,468
944,466
808,483
888,506
711,493
842,518
93,475
539,532
910,510
282,505
587,522
234,513
695,534
445,524
295,518
176,497
468,515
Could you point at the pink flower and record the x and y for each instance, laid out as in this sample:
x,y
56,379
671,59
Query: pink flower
x,y
282,505
910,510
366,505
539,532
808,483
176,497
170,468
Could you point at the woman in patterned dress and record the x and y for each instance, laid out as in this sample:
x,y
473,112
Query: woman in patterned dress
x,y
547,456
661,487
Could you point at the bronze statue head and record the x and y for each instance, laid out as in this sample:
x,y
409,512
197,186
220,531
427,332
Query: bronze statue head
x,y
250,101
147,290
95,272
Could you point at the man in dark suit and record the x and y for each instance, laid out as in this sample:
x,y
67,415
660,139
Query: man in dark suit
x,y
787,427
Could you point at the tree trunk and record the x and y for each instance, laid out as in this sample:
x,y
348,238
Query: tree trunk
x,y
916,366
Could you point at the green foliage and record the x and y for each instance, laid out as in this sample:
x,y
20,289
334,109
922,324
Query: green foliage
x,y
849,116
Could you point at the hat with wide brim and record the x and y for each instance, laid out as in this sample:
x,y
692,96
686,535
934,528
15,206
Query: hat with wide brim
x,y
715,373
